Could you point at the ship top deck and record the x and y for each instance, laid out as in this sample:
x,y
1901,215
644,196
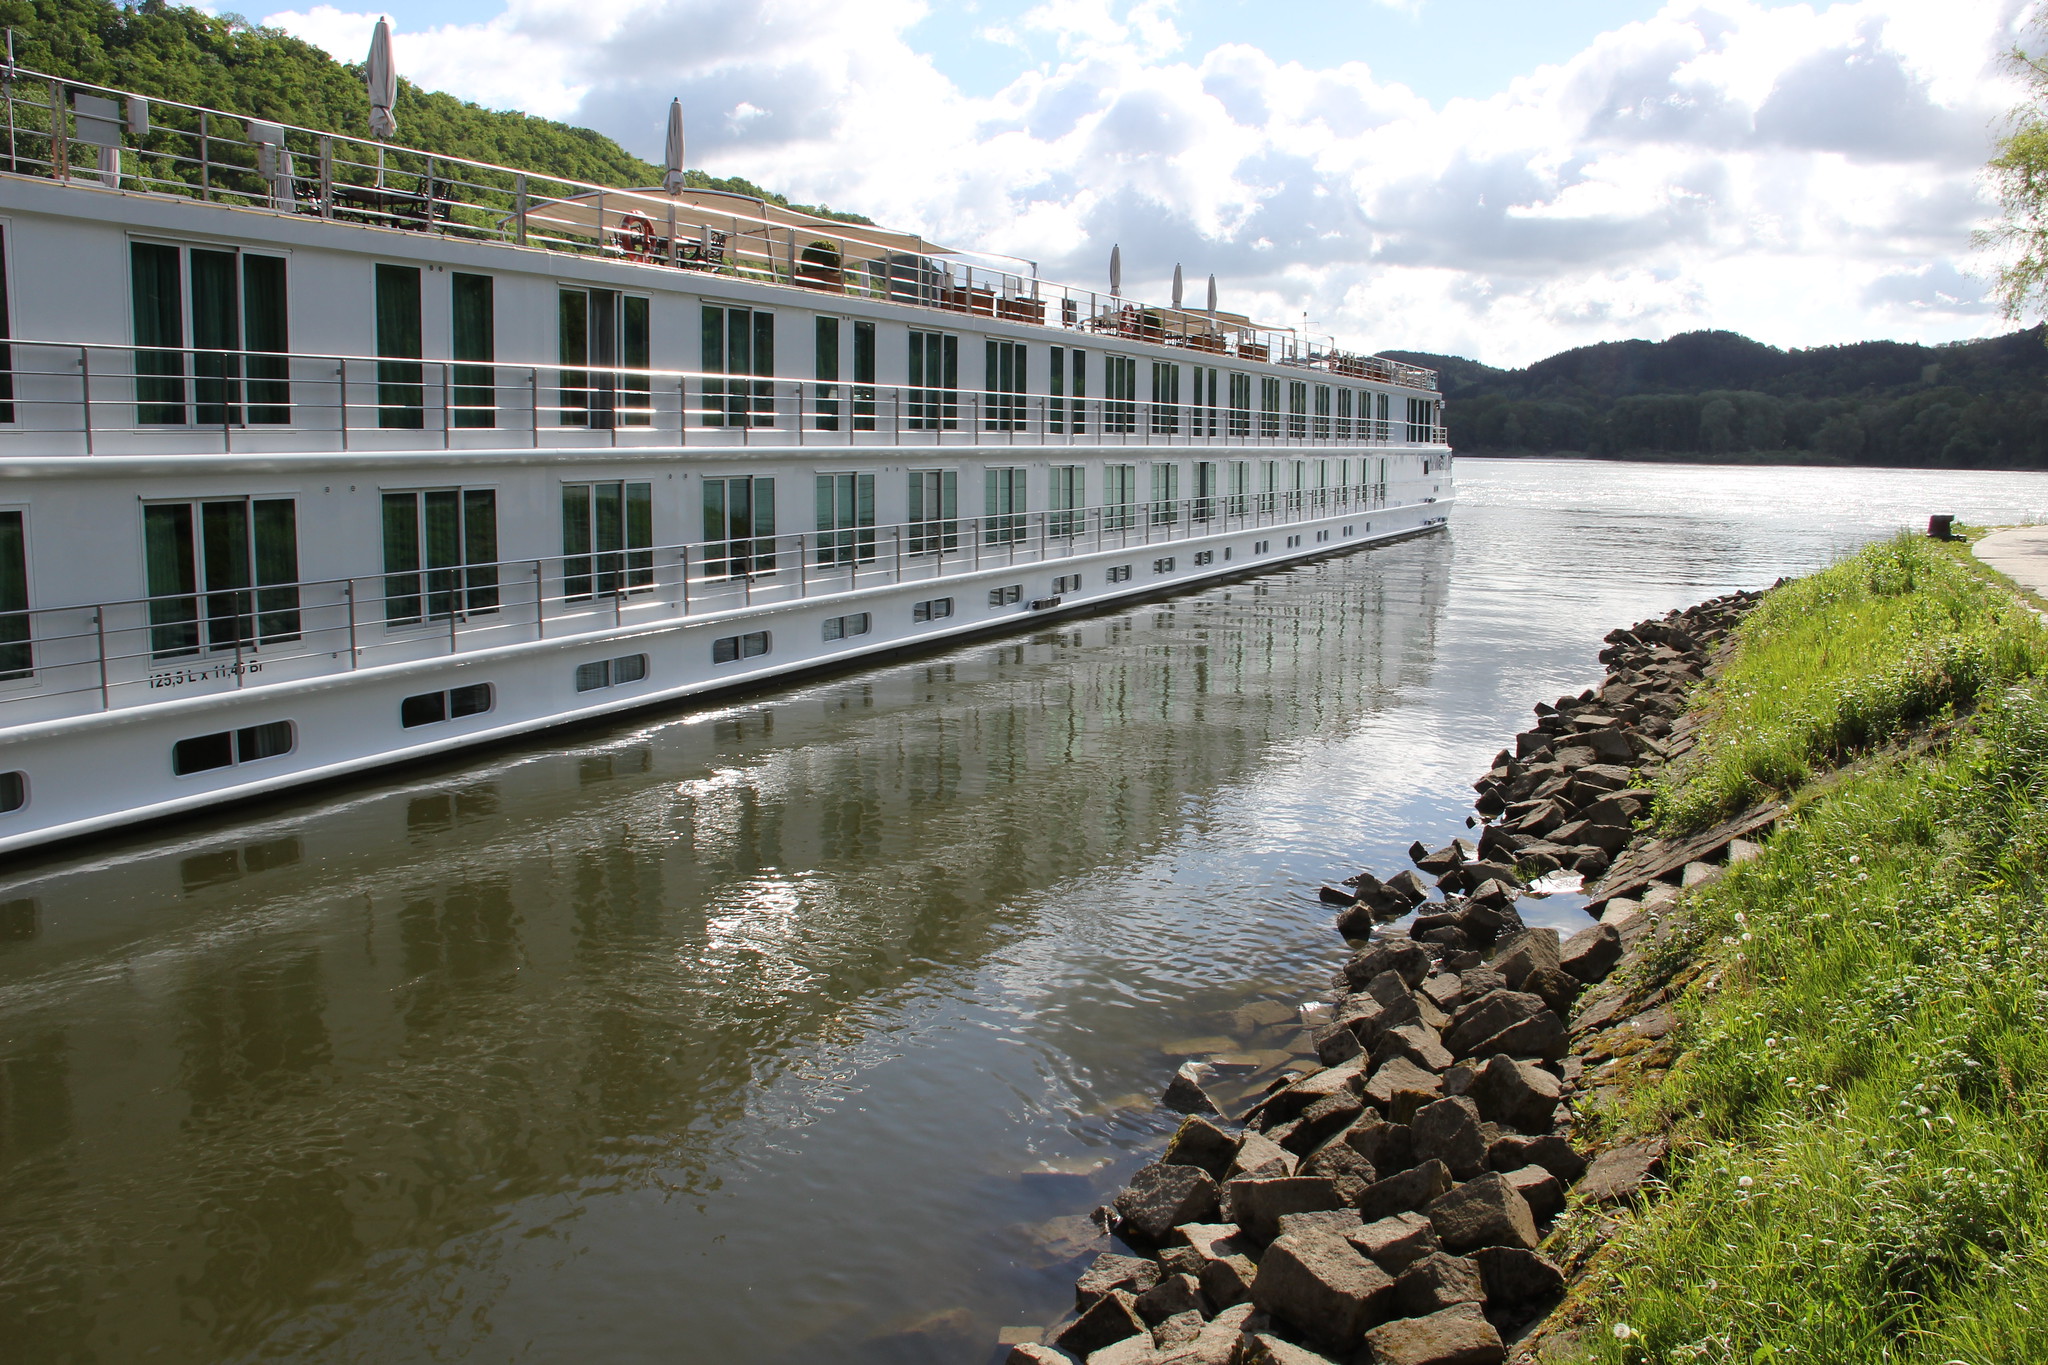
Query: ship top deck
x,y
101,138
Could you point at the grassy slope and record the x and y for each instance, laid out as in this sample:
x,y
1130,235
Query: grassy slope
x,y
1860,1116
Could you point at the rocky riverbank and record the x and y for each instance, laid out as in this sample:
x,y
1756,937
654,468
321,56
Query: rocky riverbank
x,y
1394,1202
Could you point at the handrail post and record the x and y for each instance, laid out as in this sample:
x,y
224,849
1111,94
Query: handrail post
x,y
341,380
540,603
99,626
533,401
447,393
686,580
519,207
355,652
85,393
803,584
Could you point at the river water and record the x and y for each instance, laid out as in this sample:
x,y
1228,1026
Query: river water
x,y
797,1029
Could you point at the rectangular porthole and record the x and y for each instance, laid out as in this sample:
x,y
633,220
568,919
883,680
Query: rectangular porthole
x,y
733,648
1322,536
1260,547
431,708
1003,597
845,627
610,672
936,609
1349,529
13,792
225,748
1066,583
1121,573
1162,565
1294,542
1205,557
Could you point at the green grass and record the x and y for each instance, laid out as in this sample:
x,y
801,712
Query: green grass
x,y
1828,666
1860,1110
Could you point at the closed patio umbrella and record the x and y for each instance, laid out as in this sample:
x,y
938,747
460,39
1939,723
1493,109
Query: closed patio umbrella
x,y
1176,284
673,157
1212,296
1116,270
382,78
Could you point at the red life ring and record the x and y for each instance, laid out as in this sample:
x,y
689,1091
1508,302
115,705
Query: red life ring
x,y
636,237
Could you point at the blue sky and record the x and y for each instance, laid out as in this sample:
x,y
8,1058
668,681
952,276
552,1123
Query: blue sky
x,y
1491,178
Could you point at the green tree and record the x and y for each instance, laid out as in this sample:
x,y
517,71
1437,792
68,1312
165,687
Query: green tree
x,y
2020,171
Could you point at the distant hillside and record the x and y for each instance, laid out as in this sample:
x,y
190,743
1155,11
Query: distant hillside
x,y
1720,396
176,53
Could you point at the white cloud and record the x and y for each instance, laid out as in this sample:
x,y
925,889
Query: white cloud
x,y
1804,175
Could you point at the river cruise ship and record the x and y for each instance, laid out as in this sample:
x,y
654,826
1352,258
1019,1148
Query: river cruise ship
x,y
318,454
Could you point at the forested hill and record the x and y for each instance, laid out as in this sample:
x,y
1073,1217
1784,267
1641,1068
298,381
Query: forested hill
x,y
173,52
1720,396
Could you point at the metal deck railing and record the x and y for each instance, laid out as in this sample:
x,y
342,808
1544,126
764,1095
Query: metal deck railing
x,y
62,398
63,661
97,137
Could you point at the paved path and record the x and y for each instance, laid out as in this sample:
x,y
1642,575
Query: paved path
x,y
2021,554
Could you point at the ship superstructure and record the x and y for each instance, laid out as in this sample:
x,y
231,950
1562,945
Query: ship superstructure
x,y
321,454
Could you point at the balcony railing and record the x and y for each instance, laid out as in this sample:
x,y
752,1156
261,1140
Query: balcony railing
x,y
64,661
62,398
96,137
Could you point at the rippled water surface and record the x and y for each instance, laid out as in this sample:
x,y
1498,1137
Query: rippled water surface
x,y
734,1034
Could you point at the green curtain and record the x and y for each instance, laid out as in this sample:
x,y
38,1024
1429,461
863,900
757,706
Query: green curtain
x,y
265,328
863,376
573,349
480,547
216,334
6,351
167,552
474,338
576,540
401,557
827,369
277,569
636,346
401,393
15,658
639,535
713,362
159,314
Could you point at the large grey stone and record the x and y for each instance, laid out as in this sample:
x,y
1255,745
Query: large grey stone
x,y
1256,1205
1321,1285
1555,988
1184,1094
1228,1279
1397,1241
1515,1094
1218,1342
1327,1222
1415,1188
1037,1353
1617,1175
1129,1351
1286,1104
1512,1151
1591,953
1437,1281
1180,1329
1513,1022
1108,1320
1389,1147
1518,1280
1400,1087
1161,1198
1172,1294
1259,1157
1210,1241
1338,1160
1111,1271
1519,954
1418,1042
1263,1348
1459,1335
1404,957
1483,1212
1201,1144
1450,1131
1539,1189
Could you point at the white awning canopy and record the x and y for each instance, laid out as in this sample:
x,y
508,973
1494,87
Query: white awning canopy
x,y
755,228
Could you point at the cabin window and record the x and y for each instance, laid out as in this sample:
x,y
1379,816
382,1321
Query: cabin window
x,y
208,304
846,627
602,673
846,518
1068,383
934,398
1006,387
1203,557
1269,485
1165,398
1119,393
1206,472
16,653
431,708
1163,565
732,648
1120,573
1006,596
473,338
609,333
863,376
1066,583
226,748
1269,407
1240,487
440,554
401,395
1386,430
1202,411
1068,495
607,539
1342,430
739,341
1006,505
1240,405
1119,496
1165,494
223,572
13,792
1297,410
825,409
1321,428
6,331
936,609
934,509
739,526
